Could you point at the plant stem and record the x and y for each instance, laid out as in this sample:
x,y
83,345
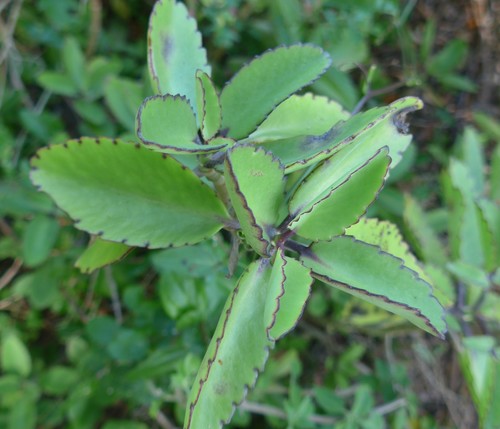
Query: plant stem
x,y
115,297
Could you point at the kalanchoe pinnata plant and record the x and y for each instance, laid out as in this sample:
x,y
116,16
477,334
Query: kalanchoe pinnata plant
x,y
288,175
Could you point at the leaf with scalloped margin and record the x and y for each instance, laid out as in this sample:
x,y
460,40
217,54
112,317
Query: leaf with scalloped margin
x,y
167,124
126,193
175,50
256,187
337,194
299,115
365,271
386,235
289,289
265,82
100,253
237,352
207,101
366,132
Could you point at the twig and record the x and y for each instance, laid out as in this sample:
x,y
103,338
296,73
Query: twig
x,y
95,26
164,422
115,297
374,93
270,411
10,273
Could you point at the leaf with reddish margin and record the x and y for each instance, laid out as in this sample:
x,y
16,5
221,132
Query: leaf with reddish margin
x,y
265,82
126,193
365,271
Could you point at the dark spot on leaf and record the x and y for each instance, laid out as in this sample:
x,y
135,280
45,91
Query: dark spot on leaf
x,y
115,142
80,141
220,388
65,145
399,120
168,46
97,141
164,155
100,233
137,146
124,241
146,244
219,361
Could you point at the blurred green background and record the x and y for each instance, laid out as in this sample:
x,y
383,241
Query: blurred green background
x,y
119,348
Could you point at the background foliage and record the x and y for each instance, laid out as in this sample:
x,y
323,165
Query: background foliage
x,y
119,348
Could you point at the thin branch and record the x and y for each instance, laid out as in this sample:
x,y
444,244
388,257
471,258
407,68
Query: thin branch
x,y
164,422
10,273
115,297
375,93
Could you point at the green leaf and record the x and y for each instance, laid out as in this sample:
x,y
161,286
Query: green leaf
x,y
256,187
474,239
100,253
469,274
386,235
289,289
39,238
128,194
487,124
367,272
337,194
58,83
265,82
23,414
123,97
74,62
58,380
15,355
495,173
449,59
167,124
208,104
175,50
480,367
237,352
299,115
428,246
472,154
367,132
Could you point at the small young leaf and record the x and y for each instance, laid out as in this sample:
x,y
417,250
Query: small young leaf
x,y
367,272
265,82
428,246
167,124
237,353
207,101
289,289
128,194
473,157
74,62
256,186
299,115
100,253
123,97
337,194
39,238
15,356
175,50
366,132
58,83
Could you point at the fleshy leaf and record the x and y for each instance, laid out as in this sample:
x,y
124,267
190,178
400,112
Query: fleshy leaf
x,y
386,235
265,82
237,352
367,132
167,124
175,50
207,99
367,272
100,253
289,289
256,186
337,194
474,239
428,246
125,193
299,115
